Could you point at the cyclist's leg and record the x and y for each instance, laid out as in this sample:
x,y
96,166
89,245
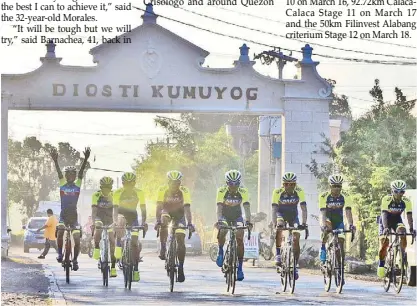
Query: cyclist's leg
x,y
60,235
400,229
221,241
296,238
120,232
76,234
97,238
278,238
163,233
108,221
132,220
324,238
341,237
383,246
240,249
180,237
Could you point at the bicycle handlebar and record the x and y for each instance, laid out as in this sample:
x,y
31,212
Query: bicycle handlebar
x,y
138,227
300,228
234,228
190,233
342,231
402,234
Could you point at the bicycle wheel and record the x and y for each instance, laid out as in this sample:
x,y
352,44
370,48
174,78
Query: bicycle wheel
x,y
233,268
339,271
105,264
67,259
171,265
388,271
126,262
327,270
398,271
266,251
291,269
284,274
213,252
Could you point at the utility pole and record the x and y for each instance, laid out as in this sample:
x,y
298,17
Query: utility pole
x,y
268,57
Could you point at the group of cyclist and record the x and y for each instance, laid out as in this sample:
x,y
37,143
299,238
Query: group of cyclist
x,y
119,208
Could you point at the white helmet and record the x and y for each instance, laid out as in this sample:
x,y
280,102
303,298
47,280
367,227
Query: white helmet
x,y
398,185
335,179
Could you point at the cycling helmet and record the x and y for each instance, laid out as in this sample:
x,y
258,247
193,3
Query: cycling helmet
x,y
233,176
398,185
106,181
128,177
70,169
335,179
174,175
289,177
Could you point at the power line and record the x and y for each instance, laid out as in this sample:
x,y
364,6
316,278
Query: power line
x,y
271,46
303,41
313,29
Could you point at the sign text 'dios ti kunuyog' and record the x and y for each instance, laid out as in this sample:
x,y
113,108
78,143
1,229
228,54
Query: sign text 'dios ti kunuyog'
x,y
157,91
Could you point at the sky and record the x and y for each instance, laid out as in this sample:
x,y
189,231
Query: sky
x,y
117,151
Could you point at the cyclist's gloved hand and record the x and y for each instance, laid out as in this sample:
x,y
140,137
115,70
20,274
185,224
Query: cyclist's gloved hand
x,y
219,223
145,227
249,225
352,228
386,231
324,228
191,228
157,225
301,226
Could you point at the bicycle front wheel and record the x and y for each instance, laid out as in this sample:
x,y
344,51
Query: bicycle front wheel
x,y
327,271
339,270
233,268
388,271
171,266
105,264
291,269
398,270
67,260
284,274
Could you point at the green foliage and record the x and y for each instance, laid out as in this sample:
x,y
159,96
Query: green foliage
x,y
31,173
202,157
339,105
379,147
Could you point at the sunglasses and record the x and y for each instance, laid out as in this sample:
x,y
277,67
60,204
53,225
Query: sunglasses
x,y
336,186
399,191
233,184
289,184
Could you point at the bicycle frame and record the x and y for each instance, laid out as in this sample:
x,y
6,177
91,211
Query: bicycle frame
x,y
333,265
289,265
67,256
104,253
230,259
171,261
127,262
393,264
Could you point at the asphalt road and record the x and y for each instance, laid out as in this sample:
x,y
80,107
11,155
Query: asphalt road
x,y
205,284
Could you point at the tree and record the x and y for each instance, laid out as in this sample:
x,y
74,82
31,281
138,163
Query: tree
x,y
379,147
339,105
31,173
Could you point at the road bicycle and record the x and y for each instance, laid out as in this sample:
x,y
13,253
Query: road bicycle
x,y
104,262
171,258
395,262
230,261
127,262
67,256
335,262
288,263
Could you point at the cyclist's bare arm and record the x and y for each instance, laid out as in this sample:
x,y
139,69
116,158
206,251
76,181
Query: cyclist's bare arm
x,y
187,211
274,213
349,217
384,217
219,210
246,207
143,212
303,206
410,220
93,213
323,217
115,214
54,155
84,164
159,206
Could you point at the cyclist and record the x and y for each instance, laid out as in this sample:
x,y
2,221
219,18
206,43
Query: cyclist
x,y
127,199
104,212
69,192
331,204
285,202
392,206
229,200
173,203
